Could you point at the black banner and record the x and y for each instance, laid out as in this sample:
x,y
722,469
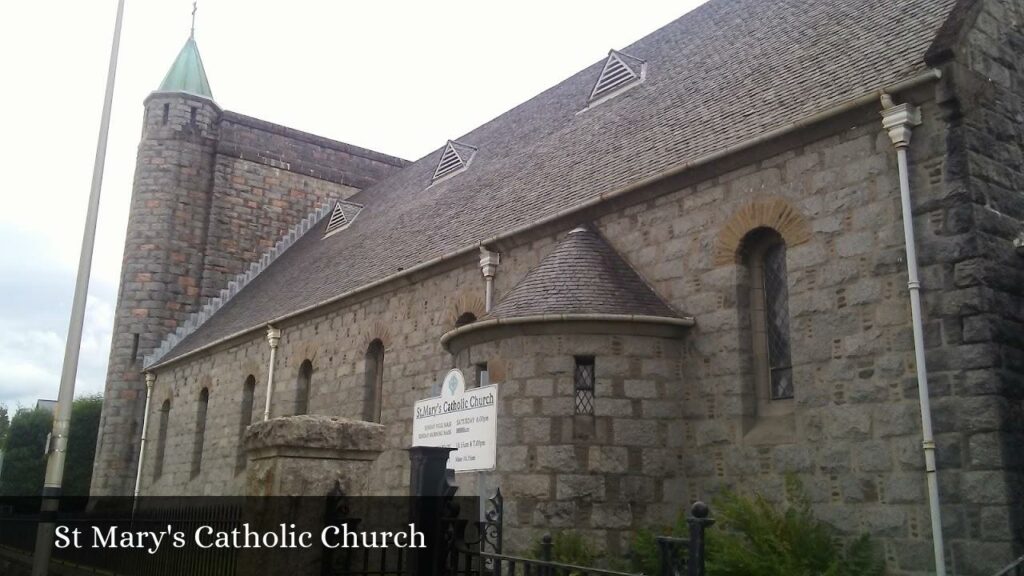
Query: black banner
x,y
297,536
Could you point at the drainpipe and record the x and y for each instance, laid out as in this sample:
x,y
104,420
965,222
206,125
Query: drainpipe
x,y
899,122
489,267
273,337
150,379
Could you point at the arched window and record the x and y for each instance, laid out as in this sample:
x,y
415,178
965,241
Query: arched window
x,y
302,388
248,395
465,318
765,257
374,384
200,436
161,438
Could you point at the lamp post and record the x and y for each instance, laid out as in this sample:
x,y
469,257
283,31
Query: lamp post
x,y
58,441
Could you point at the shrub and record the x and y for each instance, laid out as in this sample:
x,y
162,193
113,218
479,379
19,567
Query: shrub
x,y
567,547
644,555
754,538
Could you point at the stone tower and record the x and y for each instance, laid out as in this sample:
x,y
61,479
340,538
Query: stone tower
x,y
213,191
164,250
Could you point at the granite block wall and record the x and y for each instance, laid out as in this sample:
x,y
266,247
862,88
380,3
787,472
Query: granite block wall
x,y
161,271
686,425
983,100
855,441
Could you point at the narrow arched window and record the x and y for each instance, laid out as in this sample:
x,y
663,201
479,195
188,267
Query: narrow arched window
x,y
200,435
161,438
769,306
303,387
374,384
245,419
465,318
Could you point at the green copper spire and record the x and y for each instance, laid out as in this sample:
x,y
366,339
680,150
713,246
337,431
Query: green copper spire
x,y
187,73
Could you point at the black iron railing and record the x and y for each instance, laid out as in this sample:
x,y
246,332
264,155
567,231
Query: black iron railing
x,y
1015,568
475,564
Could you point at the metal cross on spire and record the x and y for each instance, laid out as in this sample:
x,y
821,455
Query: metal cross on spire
x,y
193,32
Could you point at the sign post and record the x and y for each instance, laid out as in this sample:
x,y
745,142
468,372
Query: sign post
x,y
466,420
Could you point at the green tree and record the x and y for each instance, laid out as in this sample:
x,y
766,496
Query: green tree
x,y
24,463
85,425
5,425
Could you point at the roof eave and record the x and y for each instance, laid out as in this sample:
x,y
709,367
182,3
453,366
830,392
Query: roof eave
x,y
675,323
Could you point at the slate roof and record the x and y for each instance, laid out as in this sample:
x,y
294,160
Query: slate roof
x,y
722,74
582,275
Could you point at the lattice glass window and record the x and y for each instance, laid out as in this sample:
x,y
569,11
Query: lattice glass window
x,y
776,295
584,384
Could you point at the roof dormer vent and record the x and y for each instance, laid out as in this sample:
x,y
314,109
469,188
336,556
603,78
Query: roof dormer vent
x,y
456,157
342,216
621,71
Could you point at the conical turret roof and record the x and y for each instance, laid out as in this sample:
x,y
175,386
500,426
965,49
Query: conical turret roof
x,y
582,275
187,73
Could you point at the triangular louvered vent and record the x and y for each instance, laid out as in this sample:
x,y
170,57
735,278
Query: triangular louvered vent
x,y
342,215
620,71
455,157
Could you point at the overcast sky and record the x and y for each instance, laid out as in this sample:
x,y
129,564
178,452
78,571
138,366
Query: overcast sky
x,y
397,77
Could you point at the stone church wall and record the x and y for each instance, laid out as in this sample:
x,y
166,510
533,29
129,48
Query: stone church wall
x,y
266,179
602,474
855,442
983,99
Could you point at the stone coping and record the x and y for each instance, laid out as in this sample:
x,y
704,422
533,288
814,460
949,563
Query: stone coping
x,y
309,436
613,324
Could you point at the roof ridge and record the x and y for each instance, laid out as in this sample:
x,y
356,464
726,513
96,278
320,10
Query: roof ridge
x,y
241,280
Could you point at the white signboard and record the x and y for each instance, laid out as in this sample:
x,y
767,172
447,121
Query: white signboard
x,y
462,419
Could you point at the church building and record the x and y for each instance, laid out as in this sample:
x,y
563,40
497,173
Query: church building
x,y
688,267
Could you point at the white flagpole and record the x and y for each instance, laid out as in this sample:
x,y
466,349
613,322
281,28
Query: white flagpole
x,y
58,441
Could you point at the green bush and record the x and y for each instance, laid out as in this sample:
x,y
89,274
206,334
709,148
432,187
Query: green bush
x,y
752,537
644,555
567,547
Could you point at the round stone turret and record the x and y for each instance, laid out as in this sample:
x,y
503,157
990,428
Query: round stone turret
x,y
164,253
